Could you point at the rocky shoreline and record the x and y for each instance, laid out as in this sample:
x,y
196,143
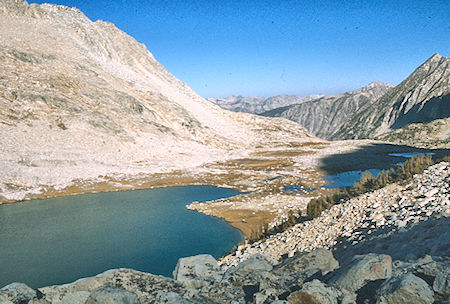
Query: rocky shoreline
x,y
388,246
372,215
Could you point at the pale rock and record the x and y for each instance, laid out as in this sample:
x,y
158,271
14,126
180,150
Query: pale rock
x,y
309,263
255,263
194,270
406,288
5,300
112,295
78,297
441,284
40,301
323,117
323,293
362,269
18,293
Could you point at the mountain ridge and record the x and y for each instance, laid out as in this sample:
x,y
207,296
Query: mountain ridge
x,y
324,116
259,104
422,97
82,99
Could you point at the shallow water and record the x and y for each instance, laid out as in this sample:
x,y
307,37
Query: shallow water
x,y
340,180
410,155
55,241
349,178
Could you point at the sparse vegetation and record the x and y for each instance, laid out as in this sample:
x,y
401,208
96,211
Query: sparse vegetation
x,y
264,231
417,164
399,174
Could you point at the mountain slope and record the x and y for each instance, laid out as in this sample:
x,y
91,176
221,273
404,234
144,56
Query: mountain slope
x,y
324,116
258,104
238,103
82,100
422,97
434,134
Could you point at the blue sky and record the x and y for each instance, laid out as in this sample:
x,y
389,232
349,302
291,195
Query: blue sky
x,y
273,47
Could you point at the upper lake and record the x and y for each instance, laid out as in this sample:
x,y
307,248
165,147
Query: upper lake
x,y
59,240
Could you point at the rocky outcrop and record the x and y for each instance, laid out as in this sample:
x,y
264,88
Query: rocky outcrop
x,y
434,134
17,293
378,220
315,292
308,263
111,295
258,104
362,269
196,270
422,97
406,288
249,282
325,116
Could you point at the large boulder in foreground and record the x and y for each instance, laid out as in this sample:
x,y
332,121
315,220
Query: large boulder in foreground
x,y
194,271
362,269
17,293
309,263
441,284
255,263
315,292
406,288
112,295
4,300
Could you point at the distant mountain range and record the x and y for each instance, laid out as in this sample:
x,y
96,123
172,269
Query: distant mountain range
x,y
415,112
420,98
326,115
258,104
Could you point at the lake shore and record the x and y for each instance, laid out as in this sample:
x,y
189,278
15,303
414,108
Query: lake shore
x,y
263,174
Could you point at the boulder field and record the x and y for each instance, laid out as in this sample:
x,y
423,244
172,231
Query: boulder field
x,y
314,277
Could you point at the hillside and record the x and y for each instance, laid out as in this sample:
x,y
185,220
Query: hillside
x,y
258,104
434,134
326,115
83,102
421,98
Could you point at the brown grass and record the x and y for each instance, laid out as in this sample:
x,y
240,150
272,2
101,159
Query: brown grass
x,y
243,174
283,153
247,221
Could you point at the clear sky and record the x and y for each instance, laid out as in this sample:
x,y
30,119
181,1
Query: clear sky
x,y
259,47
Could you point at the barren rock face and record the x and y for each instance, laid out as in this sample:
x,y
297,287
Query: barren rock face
x,y
258,104
326,115
420,98
363,268
80,99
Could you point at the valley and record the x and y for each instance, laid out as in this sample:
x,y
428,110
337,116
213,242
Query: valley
x,y
88,116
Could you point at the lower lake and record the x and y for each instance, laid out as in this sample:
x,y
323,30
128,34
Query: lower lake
x,y
59,240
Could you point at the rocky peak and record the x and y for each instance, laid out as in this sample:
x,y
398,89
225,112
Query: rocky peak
x,y
373,85
435,57
44,11
324,116
422,97
258,104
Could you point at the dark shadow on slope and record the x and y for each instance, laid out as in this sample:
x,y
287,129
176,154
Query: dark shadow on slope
x,y
414,241
435,108
431,237
276,112
372,156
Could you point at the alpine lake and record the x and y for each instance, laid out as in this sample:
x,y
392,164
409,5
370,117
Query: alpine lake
x,y
59,240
